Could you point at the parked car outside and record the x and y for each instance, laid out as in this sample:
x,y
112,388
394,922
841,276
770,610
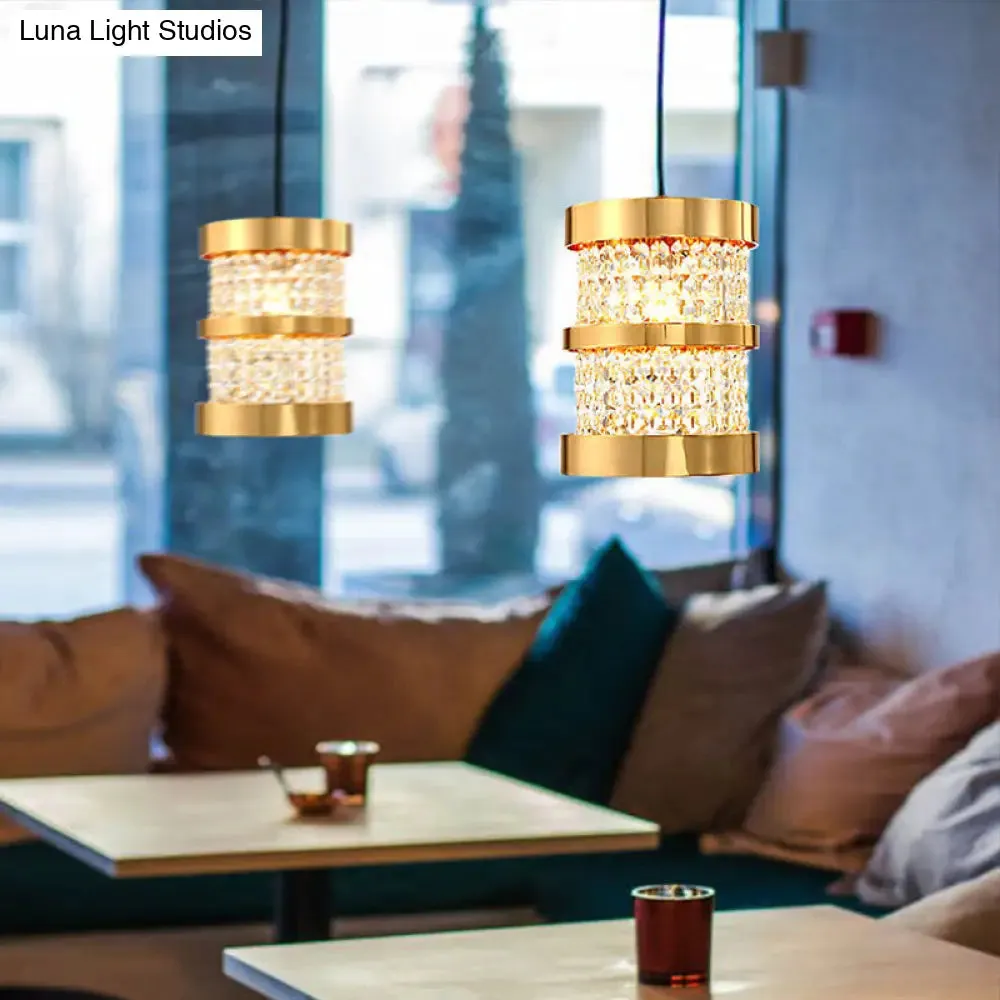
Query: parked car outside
x,y
407,435
664,523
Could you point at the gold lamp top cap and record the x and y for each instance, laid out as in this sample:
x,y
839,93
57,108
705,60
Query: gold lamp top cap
x,y
275,233
661,218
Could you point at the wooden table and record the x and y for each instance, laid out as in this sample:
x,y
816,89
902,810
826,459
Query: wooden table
x,y
806,953
160,825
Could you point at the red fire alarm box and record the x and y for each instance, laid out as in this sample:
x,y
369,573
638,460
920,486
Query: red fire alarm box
x,y
843,333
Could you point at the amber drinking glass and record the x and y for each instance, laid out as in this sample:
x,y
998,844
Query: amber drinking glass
x,y
347,763
673,934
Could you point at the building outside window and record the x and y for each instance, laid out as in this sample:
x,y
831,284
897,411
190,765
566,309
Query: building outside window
x,y
59,517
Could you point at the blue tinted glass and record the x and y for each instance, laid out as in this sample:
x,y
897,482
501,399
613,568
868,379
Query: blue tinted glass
x,y
11,277
13,181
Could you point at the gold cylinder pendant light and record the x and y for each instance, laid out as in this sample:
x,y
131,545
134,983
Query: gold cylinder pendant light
x,y
662,331
276,319
275,328
662,337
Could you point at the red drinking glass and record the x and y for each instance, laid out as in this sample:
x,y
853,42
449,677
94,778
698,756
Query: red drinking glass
x,y
673,934
346,763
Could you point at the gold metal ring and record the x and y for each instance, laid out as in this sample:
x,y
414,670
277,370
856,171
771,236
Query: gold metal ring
x,y
219,327
659,455
275,233
661,218
273,419
735,335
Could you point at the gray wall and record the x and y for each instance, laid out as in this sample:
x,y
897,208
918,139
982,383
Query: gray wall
x,y
892,465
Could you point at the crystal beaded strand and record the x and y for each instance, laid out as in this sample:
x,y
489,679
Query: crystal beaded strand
x,y
680,281
276,284
662,390
276,369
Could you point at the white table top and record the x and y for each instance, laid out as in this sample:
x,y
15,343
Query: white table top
x,y
137,825
808,953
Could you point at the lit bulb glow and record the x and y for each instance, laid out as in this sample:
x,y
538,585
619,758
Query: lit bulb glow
x,y
663,281
276,284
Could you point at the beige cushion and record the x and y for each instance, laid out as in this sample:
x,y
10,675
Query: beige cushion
x,y
848,861
967,914
260,666
713,578
947,831
849,757
79,697
705,735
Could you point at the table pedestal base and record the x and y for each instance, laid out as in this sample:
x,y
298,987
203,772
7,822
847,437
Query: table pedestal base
x,y
303,907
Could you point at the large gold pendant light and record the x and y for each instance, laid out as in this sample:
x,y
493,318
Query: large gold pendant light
x,y
276,319
662,332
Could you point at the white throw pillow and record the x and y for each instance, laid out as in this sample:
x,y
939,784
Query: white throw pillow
x,y
946,832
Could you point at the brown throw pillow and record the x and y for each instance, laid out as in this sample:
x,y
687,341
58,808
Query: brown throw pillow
x,y
705,736
967,914
847,759
79,697
260,666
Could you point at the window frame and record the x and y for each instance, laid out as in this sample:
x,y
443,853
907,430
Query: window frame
x,y
760,179
40,231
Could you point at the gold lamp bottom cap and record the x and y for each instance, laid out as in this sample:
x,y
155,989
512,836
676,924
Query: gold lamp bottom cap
x,y
273,419
659,455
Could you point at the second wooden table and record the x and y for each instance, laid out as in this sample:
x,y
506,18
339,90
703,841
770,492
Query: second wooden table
x,y
810,953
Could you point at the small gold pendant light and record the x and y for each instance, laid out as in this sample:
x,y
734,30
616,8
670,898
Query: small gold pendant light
x,y
275,328
276,316
662,332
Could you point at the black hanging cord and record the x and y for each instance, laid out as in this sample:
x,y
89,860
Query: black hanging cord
x,y
280,72
661,86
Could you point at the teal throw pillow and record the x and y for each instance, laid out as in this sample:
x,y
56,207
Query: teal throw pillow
x,y
564,719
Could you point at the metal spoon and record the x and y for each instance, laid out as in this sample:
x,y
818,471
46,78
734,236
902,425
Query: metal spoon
x,y
275,768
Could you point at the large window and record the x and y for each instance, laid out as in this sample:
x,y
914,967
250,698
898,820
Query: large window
x,y
455,161
460,285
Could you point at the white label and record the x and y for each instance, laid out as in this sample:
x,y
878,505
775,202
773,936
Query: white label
x,y
136,33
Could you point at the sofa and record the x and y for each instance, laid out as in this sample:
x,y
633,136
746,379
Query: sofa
x,y
45,892
697,698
